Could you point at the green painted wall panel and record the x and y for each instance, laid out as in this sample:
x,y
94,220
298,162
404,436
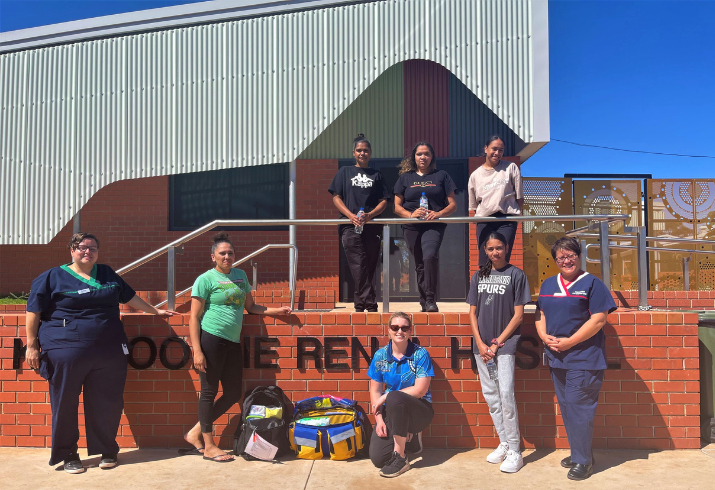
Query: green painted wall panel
x,y
378,113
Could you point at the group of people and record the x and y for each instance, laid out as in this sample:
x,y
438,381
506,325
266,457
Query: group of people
x,y
360,195
76,340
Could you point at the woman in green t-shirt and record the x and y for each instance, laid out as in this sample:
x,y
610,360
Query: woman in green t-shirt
x,y
218,299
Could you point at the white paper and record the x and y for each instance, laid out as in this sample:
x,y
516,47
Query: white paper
x,y
259,448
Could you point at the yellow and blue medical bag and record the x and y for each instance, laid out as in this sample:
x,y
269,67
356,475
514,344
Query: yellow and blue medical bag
x,y
329,426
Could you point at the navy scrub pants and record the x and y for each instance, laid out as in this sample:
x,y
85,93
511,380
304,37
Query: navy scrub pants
x,y
99,373
577,393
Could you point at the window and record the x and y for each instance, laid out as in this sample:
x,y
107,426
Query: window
x,y
259,192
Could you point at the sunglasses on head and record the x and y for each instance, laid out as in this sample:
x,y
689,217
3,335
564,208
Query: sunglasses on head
x,y
395,328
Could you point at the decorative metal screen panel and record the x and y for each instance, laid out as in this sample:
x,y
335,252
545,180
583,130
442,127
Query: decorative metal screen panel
x,y
682,208
613,197
544,197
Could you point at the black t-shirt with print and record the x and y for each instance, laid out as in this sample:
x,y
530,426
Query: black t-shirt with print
x,y
436,185
359,188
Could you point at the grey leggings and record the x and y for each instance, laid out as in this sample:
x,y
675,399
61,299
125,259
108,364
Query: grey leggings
x,y
499,395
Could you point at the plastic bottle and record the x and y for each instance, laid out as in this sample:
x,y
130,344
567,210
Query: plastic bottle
x,y
424,203
361,213
492,368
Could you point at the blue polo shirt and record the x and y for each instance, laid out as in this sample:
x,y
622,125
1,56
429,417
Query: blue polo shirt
x,y
79,312
398,374
566,309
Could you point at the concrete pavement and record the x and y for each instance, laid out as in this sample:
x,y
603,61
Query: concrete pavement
x,y
435,468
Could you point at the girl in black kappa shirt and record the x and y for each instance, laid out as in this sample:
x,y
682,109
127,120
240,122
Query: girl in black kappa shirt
x,y
354,187
419,174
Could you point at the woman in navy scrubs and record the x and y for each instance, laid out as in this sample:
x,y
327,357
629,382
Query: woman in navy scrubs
x,y
76,339
418,176
570,316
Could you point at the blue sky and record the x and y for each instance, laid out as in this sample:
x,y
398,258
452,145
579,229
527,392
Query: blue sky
x,y
626,74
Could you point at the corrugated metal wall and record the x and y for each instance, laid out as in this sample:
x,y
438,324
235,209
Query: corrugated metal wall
x,y
472,123
377,112
79,116
426,105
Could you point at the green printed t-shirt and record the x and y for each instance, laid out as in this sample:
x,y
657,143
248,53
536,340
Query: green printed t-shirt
x,y
225,296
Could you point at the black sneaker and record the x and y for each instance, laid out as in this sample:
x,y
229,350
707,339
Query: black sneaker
x,y
395,466
414,446
74,465
431,307
108,461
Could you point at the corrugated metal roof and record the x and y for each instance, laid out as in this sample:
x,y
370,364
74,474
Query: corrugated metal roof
x,y
377,112
253,91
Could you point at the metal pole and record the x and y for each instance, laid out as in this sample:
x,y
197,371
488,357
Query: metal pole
x,y
255,274
642,254
77,223
291,214
605,255
386,268
584,255
170,277
294,249
686,274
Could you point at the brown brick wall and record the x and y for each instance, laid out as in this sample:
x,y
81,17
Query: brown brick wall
x,y
650,402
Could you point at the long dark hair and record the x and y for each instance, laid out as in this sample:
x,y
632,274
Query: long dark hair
x,y
409,164
486,270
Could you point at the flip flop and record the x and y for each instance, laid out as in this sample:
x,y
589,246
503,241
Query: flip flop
x,y
219,460
194,451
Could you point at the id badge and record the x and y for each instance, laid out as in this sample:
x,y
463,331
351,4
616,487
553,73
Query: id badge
x,y
124,348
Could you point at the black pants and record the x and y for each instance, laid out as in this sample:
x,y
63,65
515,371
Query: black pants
x,y
424,243
99,374
362,252
506,228
402,414
224,362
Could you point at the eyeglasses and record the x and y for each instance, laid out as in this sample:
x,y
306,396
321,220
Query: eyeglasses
x,y
83,248
566,258
395,328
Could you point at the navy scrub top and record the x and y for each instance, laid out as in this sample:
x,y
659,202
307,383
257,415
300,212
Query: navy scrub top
x,y
566,309
79,312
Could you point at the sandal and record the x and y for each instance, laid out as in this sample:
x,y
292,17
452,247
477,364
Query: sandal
x,y
194,451
215,458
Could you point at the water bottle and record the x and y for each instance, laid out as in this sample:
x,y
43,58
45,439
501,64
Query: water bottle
x,y
358,228
424,203
492,368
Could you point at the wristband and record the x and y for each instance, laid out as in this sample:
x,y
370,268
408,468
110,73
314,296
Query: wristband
x,y
496,342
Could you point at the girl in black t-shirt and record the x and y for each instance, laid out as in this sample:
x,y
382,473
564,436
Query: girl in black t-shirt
x,y
418,176
355,187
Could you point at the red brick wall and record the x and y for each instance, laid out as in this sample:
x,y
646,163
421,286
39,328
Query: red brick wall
x,y
130,218
517,254
696,300
651,402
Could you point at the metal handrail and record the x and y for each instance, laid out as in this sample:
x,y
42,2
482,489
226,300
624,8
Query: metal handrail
x,y
170,248
650,249
697,241
249,257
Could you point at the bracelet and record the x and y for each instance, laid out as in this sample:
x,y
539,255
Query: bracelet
x,y
496,342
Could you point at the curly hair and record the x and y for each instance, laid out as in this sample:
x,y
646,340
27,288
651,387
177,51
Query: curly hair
x,y
77,239
409,164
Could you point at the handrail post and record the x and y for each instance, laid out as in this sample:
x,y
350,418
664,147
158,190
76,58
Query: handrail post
x,y
642,252
170,279
605,255
584,255
254,265
386,268
294,251
686,274
292,234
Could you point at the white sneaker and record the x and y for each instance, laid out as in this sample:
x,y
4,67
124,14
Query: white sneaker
x,y
498,455
512,463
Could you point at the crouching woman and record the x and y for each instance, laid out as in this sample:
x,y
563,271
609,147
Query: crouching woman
x,y
400,375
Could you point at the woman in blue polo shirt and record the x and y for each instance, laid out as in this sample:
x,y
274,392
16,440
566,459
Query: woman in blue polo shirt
x,y
403,408
76,339
570,316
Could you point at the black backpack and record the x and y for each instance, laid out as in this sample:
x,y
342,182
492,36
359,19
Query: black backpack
x,y
273,430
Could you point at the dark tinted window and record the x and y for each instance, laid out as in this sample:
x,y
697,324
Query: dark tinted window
x,y
259,192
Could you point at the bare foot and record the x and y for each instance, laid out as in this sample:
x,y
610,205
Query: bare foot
x,y
217,454
195,440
